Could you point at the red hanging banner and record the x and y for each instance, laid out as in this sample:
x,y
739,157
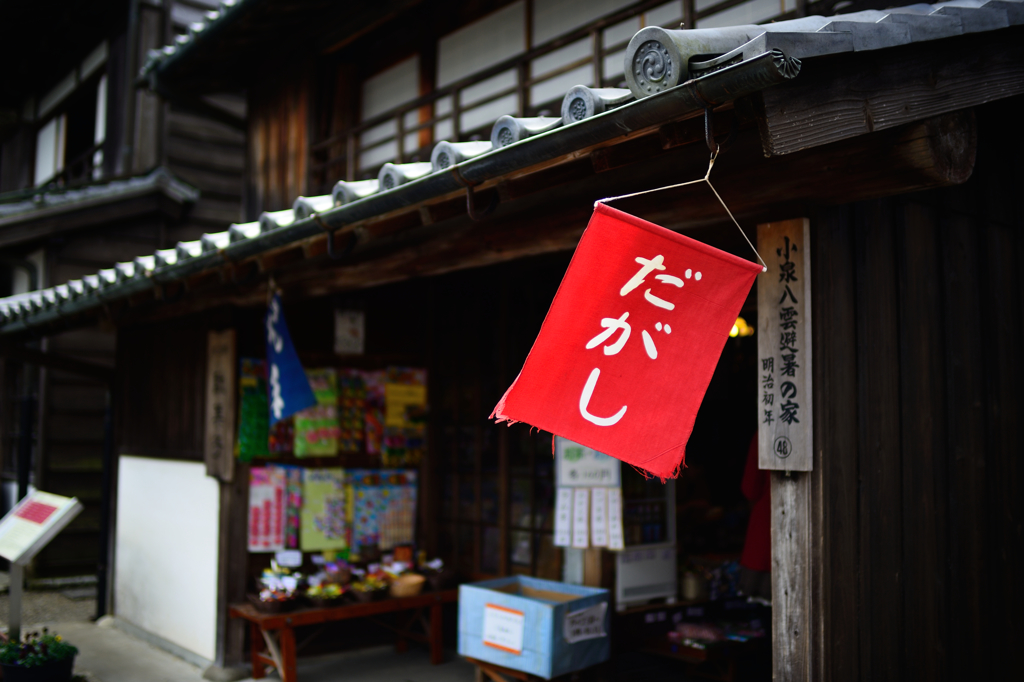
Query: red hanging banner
x,y
631,341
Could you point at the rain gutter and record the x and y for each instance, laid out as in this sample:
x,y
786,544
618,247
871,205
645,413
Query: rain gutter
x,y
694,96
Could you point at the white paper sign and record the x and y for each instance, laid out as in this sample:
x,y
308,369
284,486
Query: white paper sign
x,y
599,517
585,624
503,628
580,522
563,518
349,332
577,465
615,536
289,558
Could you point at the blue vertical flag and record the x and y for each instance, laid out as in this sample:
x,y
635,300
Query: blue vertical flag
x,y
287,386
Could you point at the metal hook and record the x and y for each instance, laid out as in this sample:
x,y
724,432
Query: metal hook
x,y
346,252
253,275
330,240
708,137
471,207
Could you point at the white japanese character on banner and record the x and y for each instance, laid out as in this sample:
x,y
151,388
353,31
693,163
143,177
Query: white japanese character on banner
x,y
620,325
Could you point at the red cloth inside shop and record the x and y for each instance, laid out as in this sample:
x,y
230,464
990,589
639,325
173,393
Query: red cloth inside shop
x,y
757,488
631,341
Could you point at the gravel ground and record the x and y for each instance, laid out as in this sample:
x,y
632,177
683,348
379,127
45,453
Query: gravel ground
x,y
39,608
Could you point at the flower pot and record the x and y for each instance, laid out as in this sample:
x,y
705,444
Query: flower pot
x,y
53,671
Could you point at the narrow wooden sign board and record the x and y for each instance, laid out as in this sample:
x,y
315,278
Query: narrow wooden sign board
x,y
219,441
784,404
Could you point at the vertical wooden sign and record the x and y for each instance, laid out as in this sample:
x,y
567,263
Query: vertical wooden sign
x,y
784,404
219,442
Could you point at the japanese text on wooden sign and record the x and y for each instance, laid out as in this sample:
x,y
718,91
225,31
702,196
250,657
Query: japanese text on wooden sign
x,y
220,405
784,405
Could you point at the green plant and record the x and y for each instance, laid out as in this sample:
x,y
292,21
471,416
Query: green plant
x,y
36,649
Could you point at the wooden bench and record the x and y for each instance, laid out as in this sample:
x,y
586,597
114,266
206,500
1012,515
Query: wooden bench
x,y
277,630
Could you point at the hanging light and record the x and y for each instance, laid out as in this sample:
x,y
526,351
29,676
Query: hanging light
x,y
741,328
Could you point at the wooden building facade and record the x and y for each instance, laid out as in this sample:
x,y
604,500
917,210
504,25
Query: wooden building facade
x,y
94,171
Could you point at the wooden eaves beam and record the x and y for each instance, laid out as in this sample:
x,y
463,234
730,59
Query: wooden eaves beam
x,y
64,363
842,97
547,210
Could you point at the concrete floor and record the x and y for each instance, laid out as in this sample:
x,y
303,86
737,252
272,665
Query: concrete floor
x,y
108,654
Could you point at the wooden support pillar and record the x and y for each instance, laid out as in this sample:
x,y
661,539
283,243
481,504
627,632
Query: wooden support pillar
x,y
785,410
796,631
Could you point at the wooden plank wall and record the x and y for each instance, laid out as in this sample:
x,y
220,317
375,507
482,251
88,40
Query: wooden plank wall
x,y
278,141
161,384
918,311
69,461
210,156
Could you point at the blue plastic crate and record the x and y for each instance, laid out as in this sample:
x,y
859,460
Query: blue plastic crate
x,y
548,615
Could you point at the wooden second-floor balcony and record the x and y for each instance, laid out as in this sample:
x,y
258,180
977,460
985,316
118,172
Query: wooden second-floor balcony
x,y
530,83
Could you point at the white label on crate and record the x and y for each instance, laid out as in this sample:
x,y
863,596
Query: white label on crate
x,y
599,517
503,628
614,511
585,624
580,522
563,518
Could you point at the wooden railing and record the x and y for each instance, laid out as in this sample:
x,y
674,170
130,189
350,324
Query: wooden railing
x,y
337,157
80,170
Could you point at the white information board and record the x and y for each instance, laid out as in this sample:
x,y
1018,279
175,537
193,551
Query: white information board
x,y
33,522
581,467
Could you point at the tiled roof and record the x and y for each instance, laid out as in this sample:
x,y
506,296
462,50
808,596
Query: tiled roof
x,y
18,207
210,19
657,60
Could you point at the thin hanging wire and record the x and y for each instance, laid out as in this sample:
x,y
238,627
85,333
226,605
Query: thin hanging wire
x,y
707,179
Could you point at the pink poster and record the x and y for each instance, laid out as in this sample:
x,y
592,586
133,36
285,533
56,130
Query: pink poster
x,y
266,509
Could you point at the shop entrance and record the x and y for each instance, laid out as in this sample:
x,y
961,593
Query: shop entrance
x,y
485,493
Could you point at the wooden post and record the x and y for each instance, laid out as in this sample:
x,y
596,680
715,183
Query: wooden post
x,y
436,634
785,444
288,655
792,624
255,642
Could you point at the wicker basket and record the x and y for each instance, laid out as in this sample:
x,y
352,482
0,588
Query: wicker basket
x,y
328,602
367,596
408,585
